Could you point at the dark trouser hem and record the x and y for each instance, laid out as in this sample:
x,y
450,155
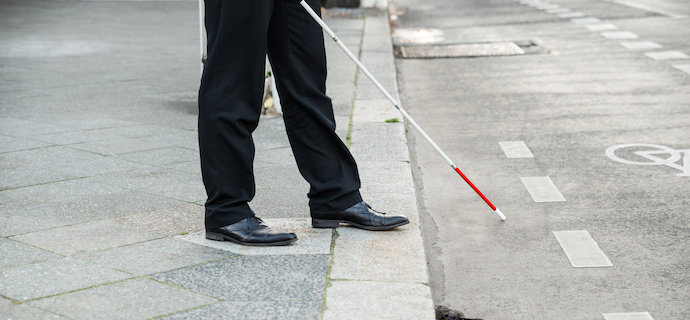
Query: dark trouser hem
x,y
338,205
222,218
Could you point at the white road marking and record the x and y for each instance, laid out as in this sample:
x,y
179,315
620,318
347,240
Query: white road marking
x,y
628,316
581,249
619,35
515,149
571,15
602,27
649,8
542,189
560,10
640,45
667,55
682,67
587,20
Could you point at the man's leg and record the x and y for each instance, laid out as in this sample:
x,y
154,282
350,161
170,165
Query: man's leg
x,y
298,58
230,105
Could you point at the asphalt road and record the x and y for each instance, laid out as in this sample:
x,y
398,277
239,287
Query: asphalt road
x,y
590,234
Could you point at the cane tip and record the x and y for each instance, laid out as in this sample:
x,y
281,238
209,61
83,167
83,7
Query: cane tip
x,y
500,214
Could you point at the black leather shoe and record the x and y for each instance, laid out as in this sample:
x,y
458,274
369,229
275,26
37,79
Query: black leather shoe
x,y
360,216
251,232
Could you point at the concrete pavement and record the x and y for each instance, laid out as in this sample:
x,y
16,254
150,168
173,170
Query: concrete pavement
x,y
101,200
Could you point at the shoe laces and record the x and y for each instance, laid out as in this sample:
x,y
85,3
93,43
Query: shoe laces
x,y
372,209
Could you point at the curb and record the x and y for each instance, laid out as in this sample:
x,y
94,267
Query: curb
x,y
380,275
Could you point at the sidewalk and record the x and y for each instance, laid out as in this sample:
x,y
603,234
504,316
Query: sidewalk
x,y
101,200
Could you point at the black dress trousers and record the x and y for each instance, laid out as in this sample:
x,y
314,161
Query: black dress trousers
x,y
240,34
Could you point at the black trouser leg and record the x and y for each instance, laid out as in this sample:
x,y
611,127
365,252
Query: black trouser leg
x,y
298,58
230,104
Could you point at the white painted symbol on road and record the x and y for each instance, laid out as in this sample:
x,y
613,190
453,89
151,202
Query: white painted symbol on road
x,y
658,155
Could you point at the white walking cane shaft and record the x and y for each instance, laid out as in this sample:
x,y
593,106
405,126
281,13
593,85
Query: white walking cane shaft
x,y
396,104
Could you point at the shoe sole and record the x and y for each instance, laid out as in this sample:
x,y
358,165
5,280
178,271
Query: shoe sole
x,y
221,237
320,223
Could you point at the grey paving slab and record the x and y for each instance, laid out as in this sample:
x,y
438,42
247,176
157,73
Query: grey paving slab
x,y
167,221
15,175
280,156
380,142
189,166
143,178
130,299
13,253
119,204
56,192
282,185
15,311
8,143
190,190
395,255
122,145
155,256
254,310
163,156
28,218
667,55
378,300
91,123
22,127
85,237
375,110
310,240
52,277
268,278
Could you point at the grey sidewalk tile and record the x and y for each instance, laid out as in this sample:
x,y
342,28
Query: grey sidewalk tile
x,y
272,278
130,299
52,277
189,166
375,110
378,300
167,221
143,178
15,311
85,237
13,175
122,145
396,255
281,193
8,144
118,204
163,156
274,310
20,127
27,218
389,144
93,123
54,193
281,156
155,256
191,190
13,253
310,240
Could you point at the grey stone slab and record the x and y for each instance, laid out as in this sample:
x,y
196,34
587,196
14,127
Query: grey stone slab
x,y
667,55
143,178
189,190
279,156
163,156
155,256
121,145
13,253
396,255
15,175
8,144
268,278
54,193
15,311
619,35
73,162
380,142
378,300
85,237
167,221
130,299
119,204
376,110
310,240
52,277
189,166
93,123
275,310
283,185
22,127
29,218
